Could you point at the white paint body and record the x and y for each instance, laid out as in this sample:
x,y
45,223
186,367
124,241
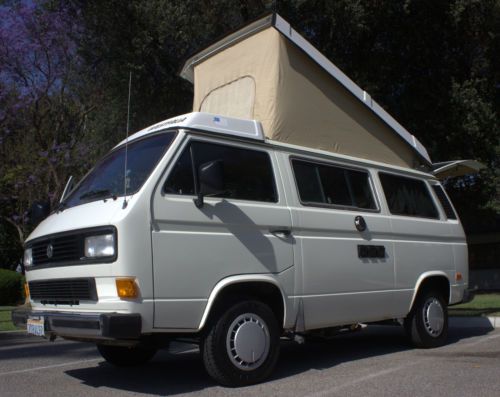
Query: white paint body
x,y
183,256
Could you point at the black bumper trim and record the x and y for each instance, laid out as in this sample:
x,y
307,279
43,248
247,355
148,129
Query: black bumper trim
x,y
469,294
98,325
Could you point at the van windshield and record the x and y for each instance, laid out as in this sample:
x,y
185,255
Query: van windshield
x,y
106,179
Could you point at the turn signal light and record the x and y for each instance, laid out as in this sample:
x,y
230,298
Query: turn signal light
x,y
458,276
26,292
127,288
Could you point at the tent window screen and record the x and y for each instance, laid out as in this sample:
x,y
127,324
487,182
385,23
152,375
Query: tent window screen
x,y
235,99
407,196
248,174
321,184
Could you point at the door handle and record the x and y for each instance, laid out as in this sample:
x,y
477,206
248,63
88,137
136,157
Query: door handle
x,y
281,232
360,223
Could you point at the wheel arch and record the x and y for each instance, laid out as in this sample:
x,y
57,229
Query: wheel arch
x,y
436,279
259,286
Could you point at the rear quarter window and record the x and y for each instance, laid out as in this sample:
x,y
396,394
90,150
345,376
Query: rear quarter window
x,y
408,196
445,202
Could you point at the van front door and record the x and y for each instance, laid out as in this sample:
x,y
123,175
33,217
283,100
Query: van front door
x,y
243,230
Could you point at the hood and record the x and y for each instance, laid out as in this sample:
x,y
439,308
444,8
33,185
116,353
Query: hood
x,y
96,213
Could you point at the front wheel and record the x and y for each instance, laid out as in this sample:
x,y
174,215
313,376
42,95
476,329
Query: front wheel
x,y
242,345
124,356
427,323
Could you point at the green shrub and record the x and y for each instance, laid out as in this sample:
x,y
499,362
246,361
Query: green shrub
x,y
11,287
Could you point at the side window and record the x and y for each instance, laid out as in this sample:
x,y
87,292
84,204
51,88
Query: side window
x,y
331,185
308,182
361,191
407,196
445,203
335,185
248,174
181,177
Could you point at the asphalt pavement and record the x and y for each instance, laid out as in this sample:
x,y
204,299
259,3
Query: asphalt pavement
x,y
374,362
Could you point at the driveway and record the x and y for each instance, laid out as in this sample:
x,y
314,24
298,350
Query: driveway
x,y
374,362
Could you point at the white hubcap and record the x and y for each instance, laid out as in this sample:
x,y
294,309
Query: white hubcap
x,y
248,341
433,317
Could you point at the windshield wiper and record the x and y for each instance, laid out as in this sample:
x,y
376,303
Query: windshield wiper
x,y
96,193
62,205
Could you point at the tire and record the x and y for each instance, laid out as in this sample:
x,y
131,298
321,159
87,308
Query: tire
x,y
427,323
242,345
123,356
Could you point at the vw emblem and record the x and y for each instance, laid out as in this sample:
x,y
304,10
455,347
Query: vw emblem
x,y
50,251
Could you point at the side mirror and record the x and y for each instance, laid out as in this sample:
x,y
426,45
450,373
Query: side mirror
x,y
39,211
210,180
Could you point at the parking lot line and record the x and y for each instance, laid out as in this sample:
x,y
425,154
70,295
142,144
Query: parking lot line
x,y
21,371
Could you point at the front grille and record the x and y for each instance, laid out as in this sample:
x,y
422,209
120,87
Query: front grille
x,y
68,291
67,248
59,249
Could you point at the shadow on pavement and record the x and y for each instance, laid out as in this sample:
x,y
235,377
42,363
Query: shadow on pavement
x,y
171,374
19,346
471,322
167,374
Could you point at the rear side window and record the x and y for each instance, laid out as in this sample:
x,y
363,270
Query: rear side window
x,y
248,174
407,196
445,203
324,184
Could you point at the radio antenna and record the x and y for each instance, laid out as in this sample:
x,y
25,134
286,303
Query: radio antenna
x,y
126,143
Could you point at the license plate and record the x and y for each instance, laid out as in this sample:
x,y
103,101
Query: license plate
x,y
35,326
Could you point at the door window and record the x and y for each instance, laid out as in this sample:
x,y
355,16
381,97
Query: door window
x,y
248,174
323,184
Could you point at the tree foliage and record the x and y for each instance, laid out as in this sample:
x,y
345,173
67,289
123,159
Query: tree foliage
x,y
42,115
64,68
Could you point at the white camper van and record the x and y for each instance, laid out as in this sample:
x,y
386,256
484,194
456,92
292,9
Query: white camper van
x,y
236,231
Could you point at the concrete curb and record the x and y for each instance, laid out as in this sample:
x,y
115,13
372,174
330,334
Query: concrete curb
x,y
474,322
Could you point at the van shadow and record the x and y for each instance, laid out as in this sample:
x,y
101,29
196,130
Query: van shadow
x,y
250,235
183,372
19,346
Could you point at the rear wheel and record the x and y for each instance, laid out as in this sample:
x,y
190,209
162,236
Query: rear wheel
x,y
427,323
242,345
124,356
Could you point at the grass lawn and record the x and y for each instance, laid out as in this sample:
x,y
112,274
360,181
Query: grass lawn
x,y
5,323
481,305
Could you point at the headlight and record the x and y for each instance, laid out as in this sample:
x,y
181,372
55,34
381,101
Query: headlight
x,y
28,257
99,246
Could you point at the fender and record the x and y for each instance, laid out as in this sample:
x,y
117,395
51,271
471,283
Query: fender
x,y
422,278
239,280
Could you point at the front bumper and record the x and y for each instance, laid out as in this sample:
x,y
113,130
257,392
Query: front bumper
x,y
98,326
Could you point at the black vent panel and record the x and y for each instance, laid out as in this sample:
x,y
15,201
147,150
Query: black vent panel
x,y
59,249
63,291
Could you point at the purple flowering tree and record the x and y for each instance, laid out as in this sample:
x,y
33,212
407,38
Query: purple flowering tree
x,y
42,113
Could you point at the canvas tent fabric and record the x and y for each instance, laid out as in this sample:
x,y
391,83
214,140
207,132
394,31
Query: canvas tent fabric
x,y
267,77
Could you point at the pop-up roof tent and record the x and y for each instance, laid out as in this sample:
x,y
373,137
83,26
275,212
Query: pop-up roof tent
x,y
266,71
